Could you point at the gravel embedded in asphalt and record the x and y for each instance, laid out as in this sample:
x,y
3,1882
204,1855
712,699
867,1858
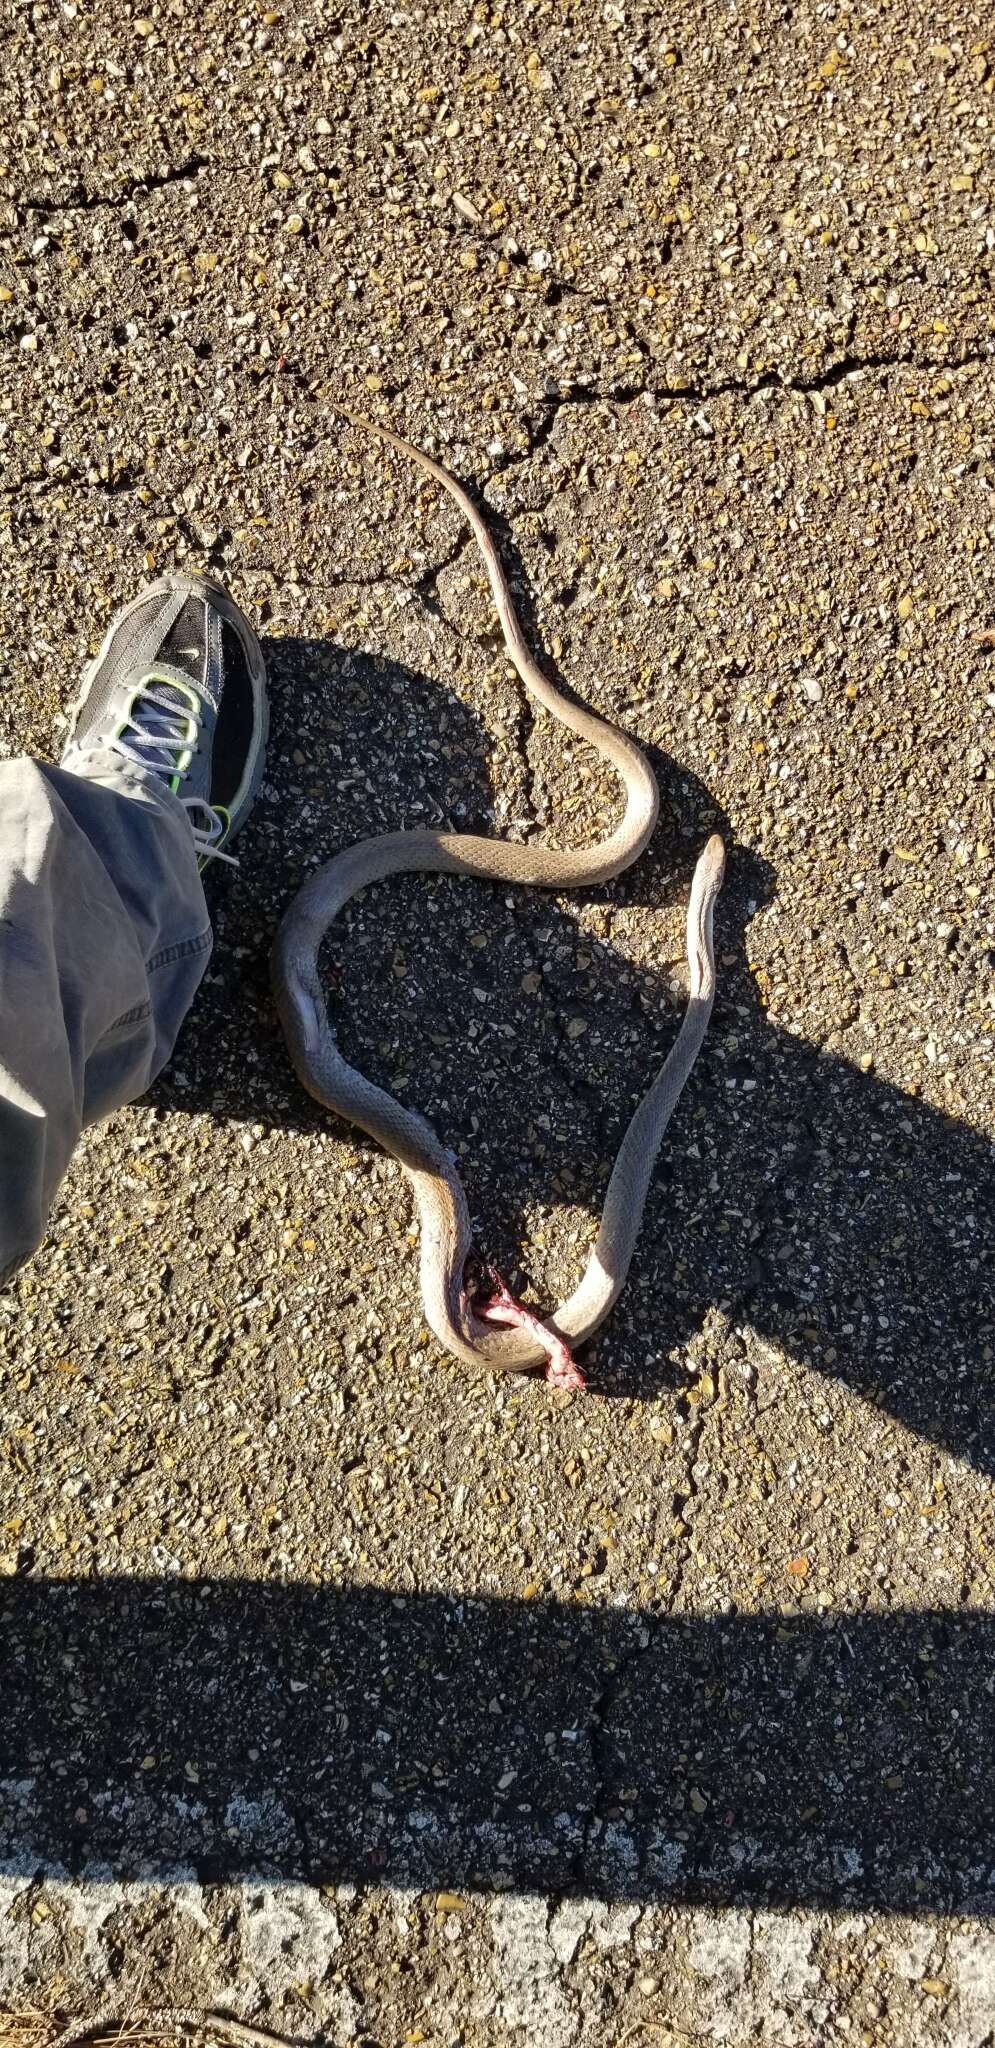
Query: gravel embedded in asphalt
x,y
690,1682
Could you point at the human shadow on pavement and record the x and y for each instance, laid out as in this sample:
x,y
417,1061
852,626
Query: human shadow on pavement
x,y
230,1728
841,1218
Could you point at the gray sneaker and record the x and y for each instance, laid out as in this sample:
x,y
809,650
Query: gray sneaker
x,y
179,687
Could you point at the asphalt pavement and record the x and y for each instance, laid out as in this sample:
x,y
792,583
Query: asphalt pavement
x,y
344,1688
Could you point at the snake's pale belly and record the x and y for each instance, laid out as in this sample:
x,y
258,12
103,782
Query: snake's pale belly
x,y
446,1241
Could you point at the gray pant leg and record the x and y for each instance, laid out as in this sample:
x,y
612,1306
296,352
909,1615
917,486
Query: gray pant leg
x,y
104,937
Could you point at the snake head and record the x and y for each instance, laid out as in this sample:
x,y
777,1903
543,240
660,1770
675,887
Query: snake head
x,y
482,1283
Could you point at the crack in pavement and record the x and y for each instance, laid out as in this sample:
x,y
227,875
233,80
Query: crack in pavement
x,y
599,1713
41,482
540,429
524,728
690,1491
617,1677
426,588
81,201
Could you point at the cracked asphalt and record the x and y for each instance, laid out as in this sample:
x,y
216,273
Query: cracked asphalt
x,y
342,1688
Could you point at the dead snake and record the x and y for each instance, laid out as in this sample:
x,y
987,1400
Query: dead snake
x,y
446,1240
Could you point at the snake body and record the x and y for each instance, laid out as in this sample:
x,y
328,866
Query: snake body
x,y
446,1238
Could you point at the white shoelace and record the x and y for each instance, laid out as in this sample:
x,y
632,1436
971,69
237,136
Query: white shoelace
x,y
205,834
158,739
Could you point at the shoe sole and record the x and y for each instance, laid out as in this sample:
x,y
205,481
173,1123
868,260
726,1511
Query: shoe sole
x,y
194,583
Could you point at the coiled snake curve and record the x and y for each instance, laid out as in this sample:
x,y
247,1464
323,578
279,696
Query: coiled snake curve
x,y
498,1332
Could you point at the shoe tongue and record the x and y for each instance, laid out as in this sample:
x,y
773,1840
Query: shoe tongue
x,y
184,649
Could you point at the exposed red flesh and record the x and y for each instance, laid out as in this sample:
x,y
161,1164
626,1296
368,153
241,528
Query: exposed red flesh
x,y
500,1306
